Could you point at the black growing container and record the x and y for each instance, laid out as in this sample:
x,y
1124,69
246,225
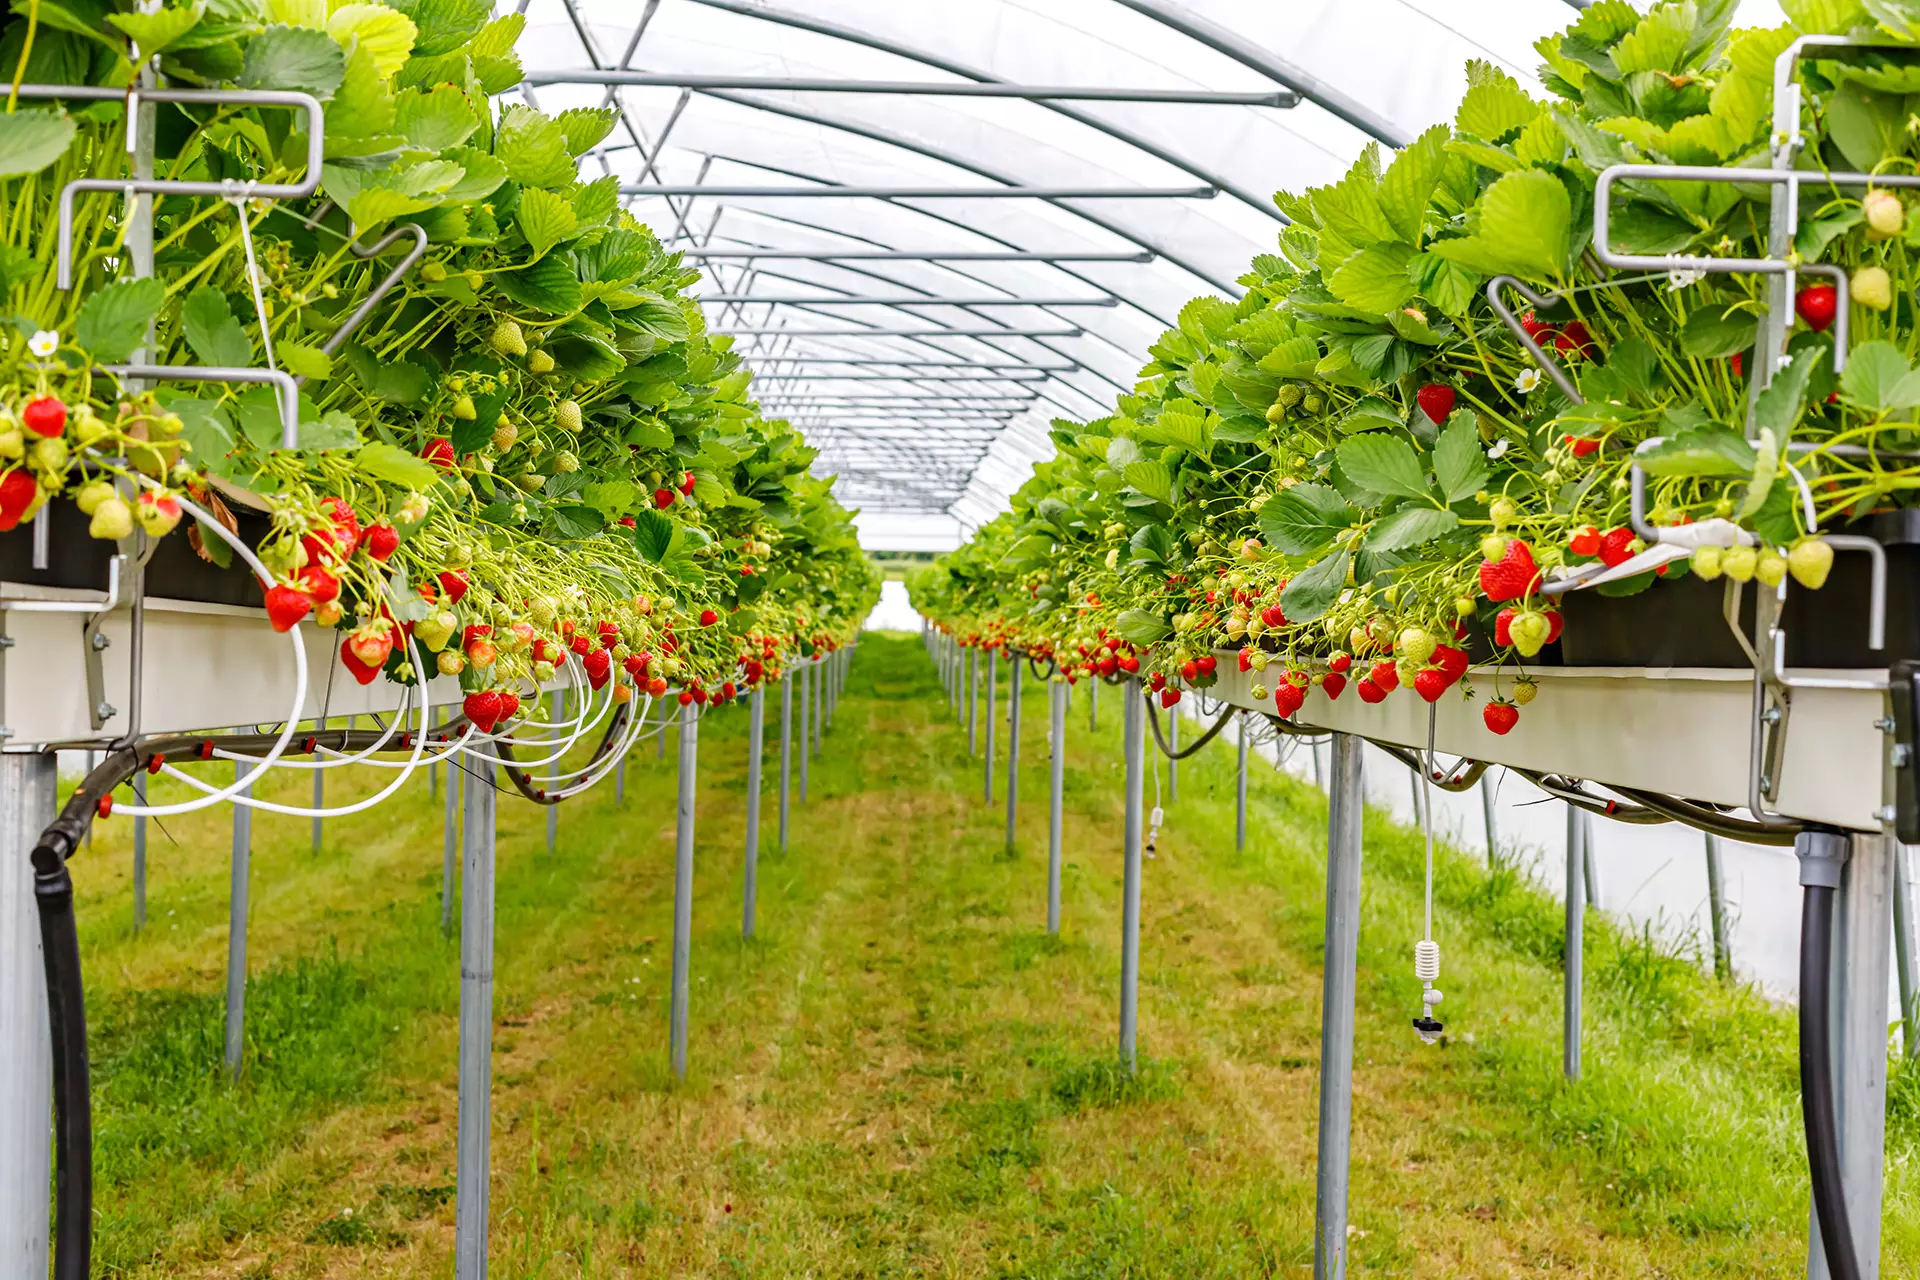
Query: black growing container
x,y
175,572
1828,627
1670,624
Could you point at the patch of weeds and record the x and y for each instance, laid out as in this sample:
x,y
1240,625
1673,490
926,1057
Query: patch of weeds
x,y
1024,950
1104,1082
1903,1105
413,1201
348,1229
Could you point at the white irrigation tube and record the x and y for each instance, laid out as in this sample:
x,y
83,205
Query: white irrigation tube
x,y
336,759
592,778
305,811
299,686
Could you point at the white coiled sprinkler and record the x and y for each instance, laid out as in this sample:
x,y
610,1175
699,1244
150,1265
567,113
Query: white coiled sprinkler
x,y
1426,952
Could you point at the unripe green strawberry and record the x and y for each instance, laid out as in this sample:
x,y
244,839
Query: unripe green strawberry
x,y
91,495
530,481
463,407
1707,563
1886,216
1770,568
436,629
539,362
1259,692
1416,644
413,508
564,461
1313,403
432,272
543,671
88,428
1530,631
1504,512
1492,547
543,610
1810,560
112,519
1872,287
50,455
450,662
504,435
1739,563
1291,395
507,339
13,443
1463,606
1408,670
1276,413
567,414
1259,659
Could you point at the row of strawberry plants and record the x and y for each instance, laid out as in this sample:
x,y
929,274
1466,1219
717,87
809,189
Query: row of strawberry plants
x,y
530,444
1356,471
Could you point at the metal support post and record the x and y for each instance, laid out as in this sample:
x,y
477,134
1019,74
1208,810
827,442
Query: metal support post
x,y
1319,778
1240,792
1345,807
1862,958
683,884
1906,960
559,771
1173,765
1589,863
1575,945
620,781
237,927
450,848
433,782
1014,662
973,699
29,799
319,799
987,775
806,678
139,855
1093,704
786,751
1133,743
1056,790
1717,911
1487,816
756,728
472,1160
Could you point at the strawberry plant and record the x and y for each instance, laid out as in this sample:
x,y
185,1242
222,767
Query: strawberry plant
x,y
1359,446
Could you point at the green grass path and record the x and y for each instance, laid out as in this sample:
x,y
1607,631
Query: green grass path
x,y
902,1075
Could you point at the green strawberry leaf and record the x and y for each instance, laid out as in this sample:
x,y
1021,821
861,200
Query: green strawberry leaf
x,y
1137,626
297,58
1382,464
33,140
114,321
216,337
1410,527
1314,589
1303,518
1459,466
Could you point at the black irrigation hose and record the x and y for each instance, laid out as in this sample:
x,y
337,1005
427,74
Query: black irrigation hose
x,y
523,781
1449,781
1711,820
1576,795
1153,718
1816,1082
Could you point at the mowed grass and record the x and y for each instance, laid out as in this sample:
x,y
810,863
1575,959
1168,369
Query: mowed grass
x,y
902,1075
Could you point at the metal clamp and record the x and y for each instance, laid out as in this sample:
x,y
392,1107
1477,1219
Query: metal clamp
x,y
1540,357
287,390
394,277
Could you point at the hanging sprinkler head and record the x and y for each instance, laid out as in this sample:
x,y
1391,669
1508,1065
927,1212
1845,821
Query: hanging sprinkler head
x,y
1426,952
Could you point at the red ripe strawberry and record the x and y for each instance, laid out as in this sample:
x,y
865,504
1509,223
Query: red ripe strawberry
x,y
1430,683
319,584
1289,697
626,522
609,633
1334,683
687,483
1436,400
580,645
1189,670
363,672
509,706
1817,304
45,416
662,499
1129,663
1512,575
1108,665
1554,623
708,617
656,686
1573,336
635,665
1584,446
1451,661
346,522
286,607
454,583
1157,681
1500,716
1735,361
380,540
483,709
371,644
439,453
1616,547
1369,691
1340,663
599,666
700,696
1273,616
686,697
1208,664
1585,543
18,489
1535,326
1246,660
1384,675
1169,696
727,690
1503,627
477,631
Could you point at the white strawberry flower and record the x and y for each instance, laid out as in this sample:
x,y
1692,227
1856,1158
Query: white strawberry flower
x,y
44,343
1527,381
1499,447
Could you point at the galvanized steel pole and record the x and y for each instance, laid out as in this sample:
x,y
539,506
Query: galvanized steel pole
x,y
472,1158
29,800
1717,910
319,798
1575,949
1057,762
139,855
1093,704
1133,750
806,678
1589,864
449,847
1014,662
237,926
973,699
559,771
1173,744
756,728
1906,959
1346,801
1487,816
987,775
786,750
683,884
